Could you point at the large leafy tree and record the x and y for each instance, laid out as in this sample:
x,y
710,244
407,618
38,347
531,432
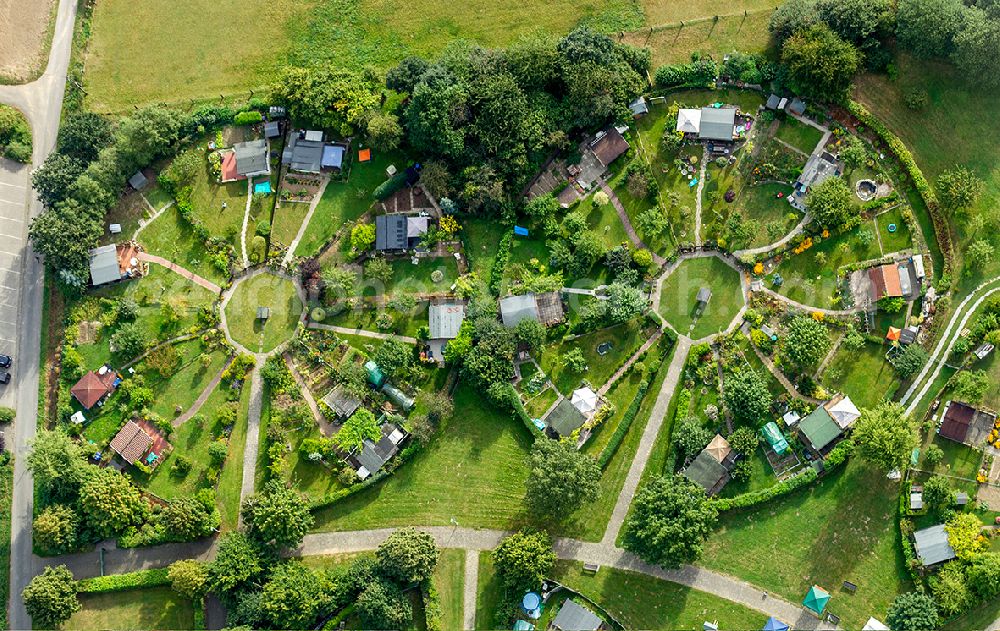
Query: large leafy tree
x,y
928,27
976,44
831,203
406,74
860,22
807,343
59,465
984,575
791,17
382,605
328,96
820,64
111,503
393,356
690,437
55,178
294,597
937,493
671,518
965,536
910,361
524,559
65,234
407,556
82,136
958,189
50,597
885,436
562,479
360,426
55,528
747,396
277,516
625,302
238,562
912,611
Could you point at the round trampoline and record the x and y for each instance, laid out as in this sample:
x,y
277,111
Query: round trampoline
x,y
531,601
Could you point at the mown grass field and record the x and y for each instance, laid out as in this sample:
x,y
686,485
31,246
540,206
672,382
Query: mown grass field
x,y
677,296
864,375
449,579
263,290
842,528
149,608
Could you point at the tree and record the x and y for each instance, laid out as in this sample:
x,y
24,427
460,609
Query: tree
x,y
187,518
928,27
328,96
690,437
912,611
744,441
384,130
574,360
976,44
277,516
294,596
541,207
983,573
624,302
819,63
436,179
524,559
238,562
937,493
189,578
747,397
82,135
130,340
910,361
652,222
111,503
378,269
407,556
363,237
55,178
393,356
562,479
65,235
830,202
933,455
860,22
806,344
970,385
670,519
406,74
950,589
958,189
791,17
50,597
531,333
54,530
980,253
339,282
885,436
965,536
853,152
59,465
381,605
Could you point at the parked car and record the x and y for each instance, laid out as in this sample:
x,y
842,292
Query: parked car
x,y
5,378
5,361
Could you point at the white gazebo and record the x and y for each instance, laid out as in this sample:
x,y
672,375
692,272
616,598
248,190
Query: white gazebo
x,y
584,400
689,121
843,411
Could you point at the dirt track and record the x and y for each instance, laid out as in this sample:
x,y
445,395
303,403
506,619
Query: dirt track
x,y
24,25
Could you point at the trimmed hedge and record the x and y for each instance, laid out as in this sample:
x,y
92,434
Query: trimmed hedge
x,y
623,426
432,605
942,231
500,262
390,186
121,582
754,498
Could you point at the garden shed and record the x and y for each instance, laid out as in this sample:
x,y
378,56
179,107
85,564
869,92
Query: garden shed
x,y
513,309
104,265
131,442
931,545
444,321
303,155
707,472
137,181
608,145
819,429
639,107
373,456
251,158
93,386
263,313
564,419
272,129
575,617
390,232
702,300
342,402
717,123
965,424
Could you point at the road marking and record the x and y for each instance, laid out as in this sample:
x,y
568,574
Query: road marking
x,y
17,186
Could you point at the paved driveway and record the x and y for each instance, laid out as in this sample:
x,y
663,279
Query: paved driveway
x,y
14,191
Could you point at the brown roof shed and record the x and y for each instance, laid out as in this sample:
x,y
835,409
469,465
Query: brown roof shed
x,y
92,387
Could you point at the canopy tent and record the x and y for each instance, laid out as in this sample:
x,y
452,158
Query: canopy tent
x,y
843,411
893,334
531,601
689,121
719,448
585,400
874,624
773,624
816,600
774,438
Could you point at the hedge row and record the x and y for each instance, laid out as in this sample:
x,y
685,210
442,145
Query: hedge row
x,y
390,186
942,231
754,498
432,605
500,262
616,439
121,582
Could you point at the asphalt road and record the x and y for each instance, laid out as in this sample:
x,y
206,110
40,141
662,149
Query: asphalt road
x,y
21,282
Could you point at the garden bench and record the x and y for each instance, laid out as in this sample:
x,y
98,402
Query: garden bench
x,y
850,587
832,618
591,568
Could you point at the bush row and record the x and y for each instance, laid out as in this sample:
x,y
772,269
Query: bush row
x,y
500,262
942,231
390,186
754,498
432,605
121,582
699,73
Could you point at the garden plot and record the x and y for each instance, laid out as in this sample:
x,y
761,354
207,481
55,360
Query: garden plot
x,y
798,135
173,238
863,374
678,304
601,361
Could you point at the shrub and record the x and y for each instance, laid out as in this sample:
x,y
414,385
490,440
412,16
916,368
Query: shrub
x,y
247,118
6,414
318,314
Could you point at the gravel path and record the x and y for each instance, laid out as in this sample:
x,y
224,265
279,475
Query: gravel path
x,y
470,588
253,433
626,222
246,220
174,267
648,440
810,308
200,401
697,198
363,333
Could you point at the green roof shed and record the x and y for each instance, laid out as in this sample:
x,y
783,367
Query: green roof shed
x,y
819,428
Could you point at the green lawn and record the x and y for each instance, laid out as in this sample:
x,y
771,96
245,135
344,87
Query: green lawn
x,y
959,460
539,403
344,202
643,602
172,237
864,375
605,222
186,382
635,207
480,239
231,479
488,594
842,528
408,278
625,339
449,579
773,214
148,608
901,239
811,282
266,290
220,207
620,396
799,135
288,218
677,296
364,317
473,471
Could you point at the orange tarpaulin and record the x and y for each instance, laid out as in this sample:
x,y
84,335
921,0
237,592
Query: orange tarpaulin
x,y
893,334
364,155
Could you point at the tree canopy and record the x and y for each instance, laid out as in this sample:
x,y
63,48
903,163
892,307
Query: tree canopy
x,y
562,479
407,556
671,518
111,503
277,516
959,188
819,63
912,611
831,203
328,96
50,597
807,343
524,559
747,397
885,436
